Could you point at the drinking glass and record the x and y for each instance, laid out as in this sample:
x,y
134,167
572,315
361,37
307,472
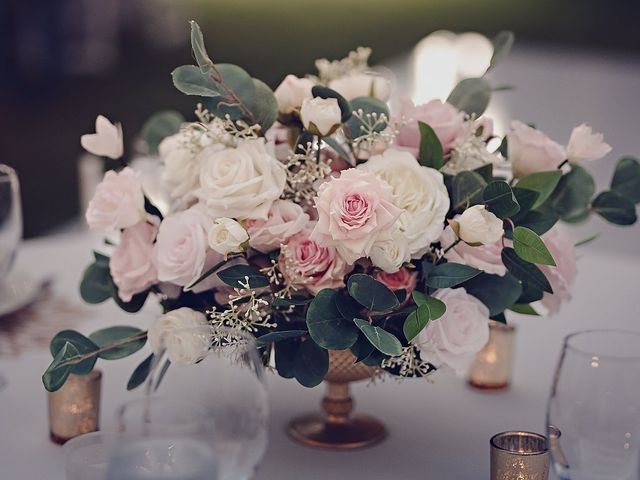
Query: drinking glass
x,y
10,219
593,414
220,400
87,456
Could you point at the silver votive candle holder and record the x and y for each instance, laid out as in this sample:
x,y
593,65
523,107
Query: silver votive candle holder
x,y
74,409
519,456
493,365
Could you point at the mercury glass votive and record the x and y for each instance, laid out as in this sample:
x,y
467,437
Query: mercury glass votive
x,y
519,456
74,409
492,367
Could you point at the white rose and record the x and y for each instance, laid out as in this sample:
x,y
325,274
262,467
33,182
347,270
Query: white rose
x,y
106,142
291,93
586,145
184,335
118,202
361,85
241,182
390,254
419,191
456,337
477,225
321,116
227,236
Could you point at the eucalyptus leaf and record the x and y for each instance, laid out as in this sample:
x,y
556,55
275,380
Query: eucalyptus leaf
x,y
496,292
238,81
626,179
199,50
539,222
132,306
471,95
525,271
81,343
159,126
523,309
526,199
542,182
380,338
370,293
530,247
431,153
485,171
140,373
500,199
264,106
56,374
95,286
368,105
436,307
447,275
191,81
285,357
339,149
415,322
362,348
239,275
502,44
327,327
127,338
615,208
311,364
467,189
570,199
273,337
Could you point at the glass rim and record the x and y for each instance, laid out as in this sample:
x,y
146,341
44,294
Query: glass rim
x,y
535,435
570,346
87,439
7,173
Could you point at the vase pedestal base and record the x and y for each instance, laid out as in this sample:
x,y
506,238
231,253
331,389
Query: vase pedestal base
x,y
315,430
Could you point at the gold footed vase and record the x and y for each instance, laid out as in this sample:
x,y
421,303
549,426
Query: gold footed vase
x,y
336,428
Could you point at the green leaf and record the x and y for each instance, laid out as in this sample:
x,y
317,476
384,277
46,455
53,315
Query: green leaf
x,y
525,271
273,337
241,84
159,126
431,152
524,309
191,81
626,179
380,338
295,300
525,198
56,374
371,293
416,321
132,306
471,95
436,307
264,106
496,292
485,171
368,105
362,348
539,222
500,199
615,208
311,364
140,374
327,327
503,148
81,343
586,240
285,357
529,294
325,92
95,286
530,247
570,199
374,359
238,275
542,182
199,50
122,335
502,44
450,274
467,189
339,149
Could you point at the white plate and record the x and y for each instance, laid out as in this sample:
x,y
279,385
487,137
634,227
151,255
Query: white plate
x,y
17,291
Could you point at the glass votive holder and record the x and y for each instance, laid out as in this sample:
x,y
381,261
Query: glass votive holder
x,y
493,365
74,409
519,456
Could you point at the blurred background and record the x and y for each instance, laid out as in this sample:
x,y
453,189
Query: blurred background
x,y
64,61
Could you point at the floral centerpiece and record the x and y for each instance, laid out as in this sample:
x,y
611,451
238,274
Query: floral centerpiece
x,y
318,219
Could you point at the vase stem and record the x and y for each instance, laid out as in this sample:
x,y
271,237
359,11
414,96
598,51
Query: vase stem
x,y
337,403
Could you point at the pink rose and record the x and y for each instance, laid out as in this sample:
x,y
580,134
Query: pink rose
x,y
562,276
444,118
456,337
354,211
307,264
402,279
278,139
131,264
586,145
181,247
484,257
118,202
531,151
284,219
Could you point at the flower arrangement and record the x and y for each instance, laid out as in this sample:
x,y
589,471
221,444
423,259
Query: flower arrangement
x,y
317,219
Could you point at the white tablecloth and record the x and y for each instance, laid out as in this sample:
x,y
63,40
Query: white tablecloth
x,y
438,431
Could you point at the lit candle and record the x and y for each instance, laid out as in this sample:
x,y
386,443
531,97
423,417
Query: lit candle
x,y
492,366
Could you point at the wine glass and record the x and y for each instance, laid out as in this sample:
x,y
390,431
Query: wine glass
x,y
220,400
10,219
593,414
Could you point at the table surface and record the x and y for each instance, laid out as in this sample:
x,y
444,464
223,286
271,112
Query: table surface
x,y
438,430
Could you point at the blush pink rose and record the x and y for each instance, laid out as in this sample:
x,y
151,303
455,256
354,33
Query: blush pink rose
x,y
354,211
456,337
180,251
402,279
484,257
118,202
284,219
531,151
131,264
447,122
305,263
562,276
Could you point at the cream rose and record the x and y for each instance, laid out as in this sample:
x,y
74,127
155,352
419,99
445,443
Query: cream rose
x,y
420,193
355,210
118,202
360,84
284,220
531,151
484,257
292,92
584,145
456,337
227,236
184,335
131,263
391,253
477,225
321,116
240,182
106,142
